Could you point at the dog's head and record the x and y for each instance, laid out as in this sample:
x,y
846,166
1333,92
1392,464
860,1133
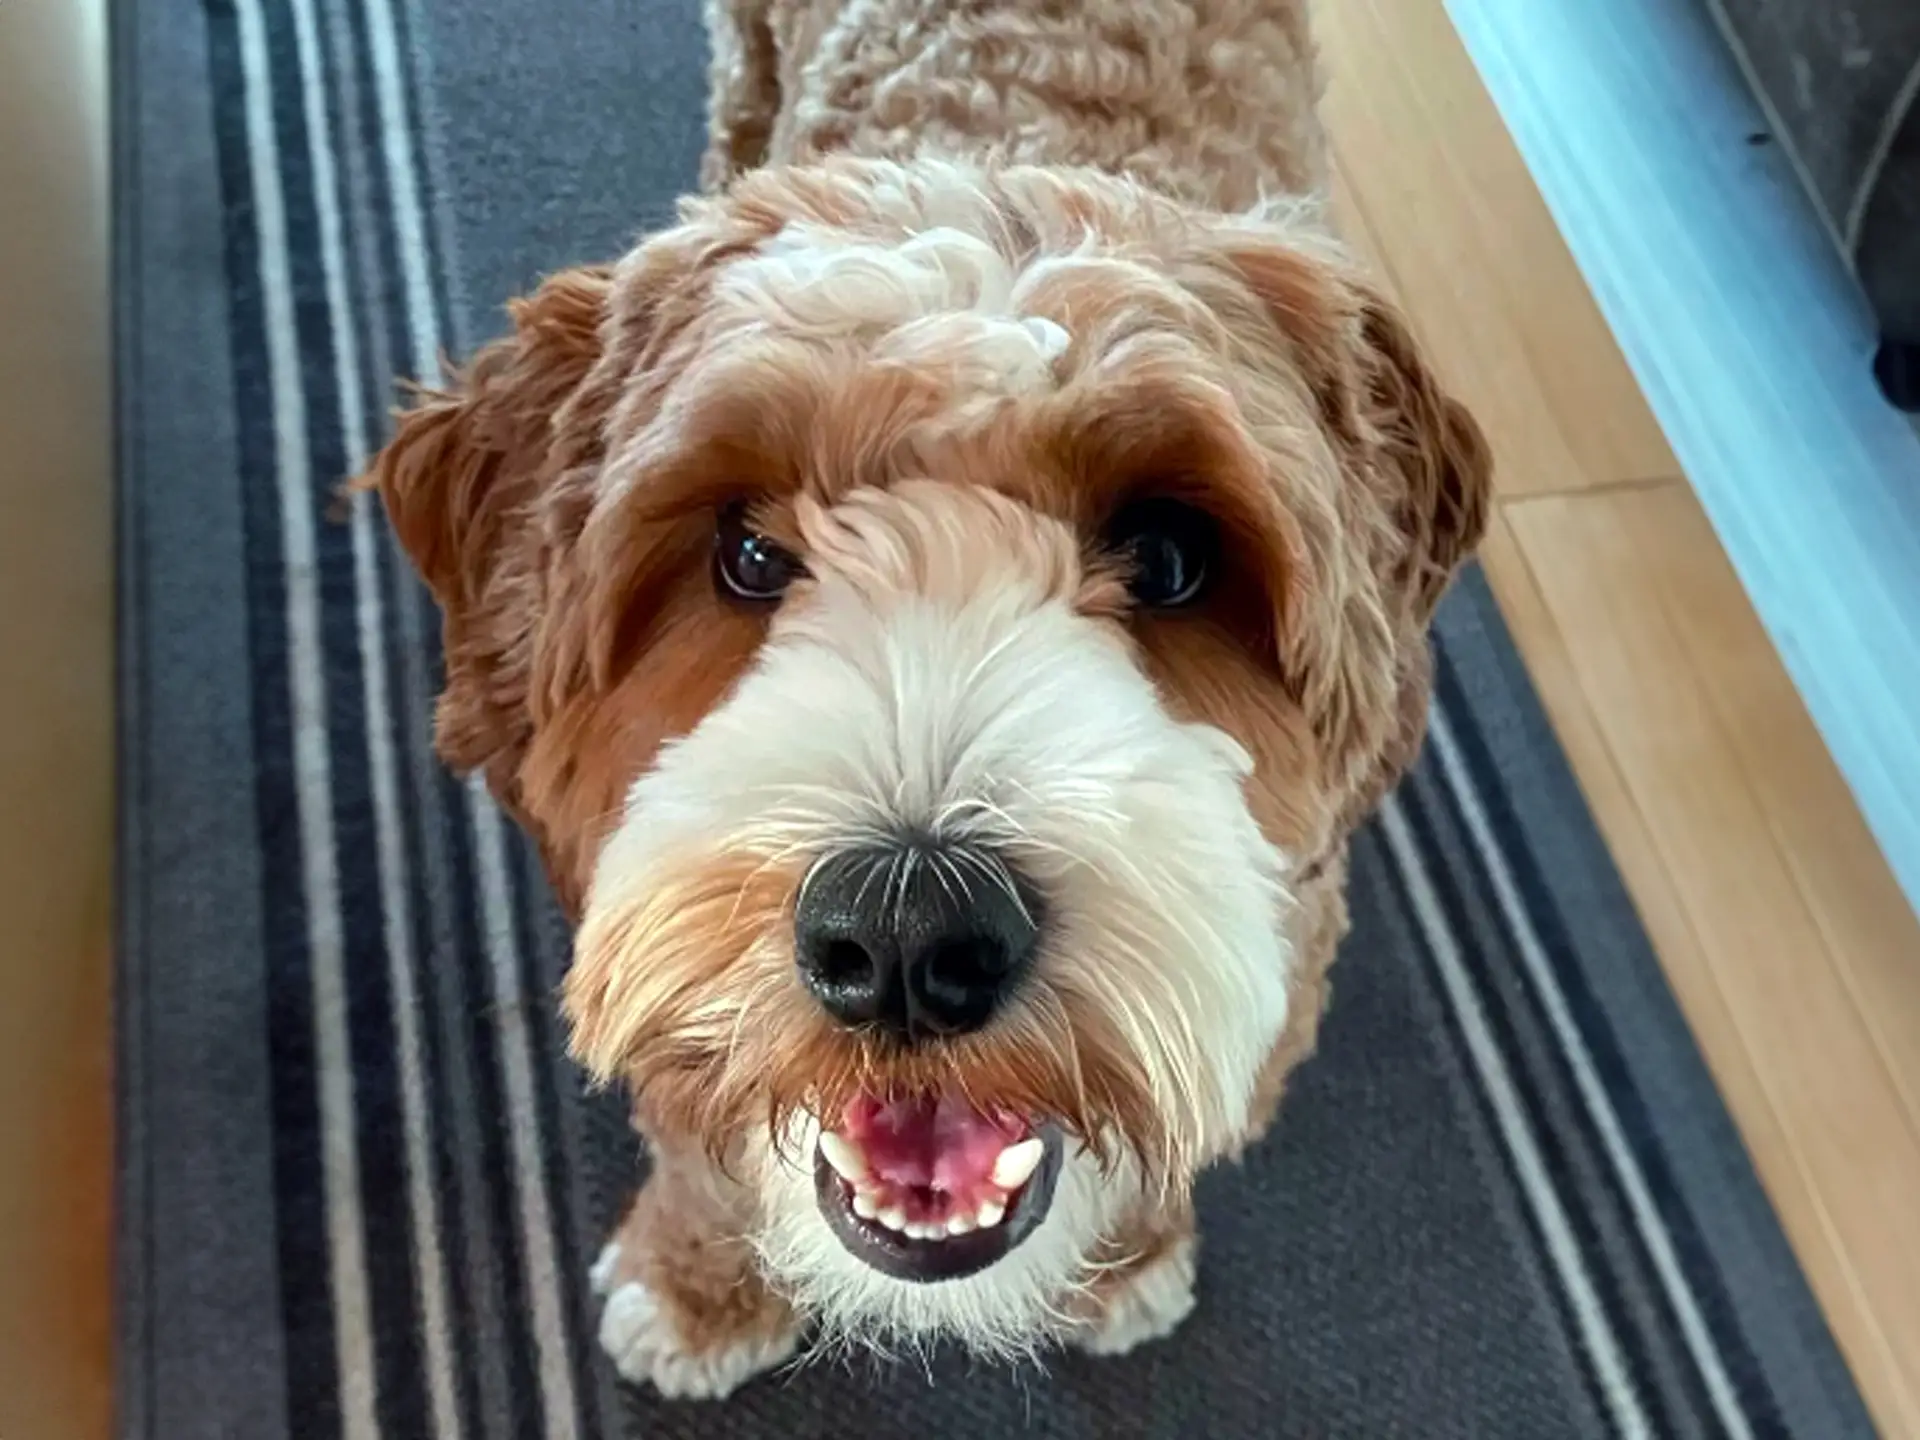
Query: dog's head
x,y
931,619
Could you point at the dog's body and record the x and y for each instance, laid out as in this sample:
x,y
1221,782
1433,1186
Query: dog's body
x,y
1207,101
942,609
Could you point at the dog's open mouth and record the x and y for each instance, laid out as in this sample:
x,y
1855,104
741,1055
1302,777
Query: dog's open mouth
x,y
932,1188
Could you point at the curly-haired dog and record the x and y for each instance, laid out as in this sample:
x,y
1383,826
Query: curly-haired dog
x,y
941,609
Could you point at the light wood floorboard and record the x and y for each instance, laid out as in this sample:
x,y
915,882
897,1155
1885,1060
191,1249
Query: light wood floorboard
x,y
1468,241
56,724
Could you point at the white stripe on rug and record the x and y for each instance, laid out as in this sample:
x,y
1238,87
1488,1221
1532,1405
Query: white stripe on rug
x,y
1533,955
545,1284
340,1160
546,1287
430,1275
1618,1392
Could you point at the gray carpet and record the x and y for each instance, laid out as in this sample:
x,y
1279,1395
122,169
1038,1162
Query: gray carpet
x,y
360,1187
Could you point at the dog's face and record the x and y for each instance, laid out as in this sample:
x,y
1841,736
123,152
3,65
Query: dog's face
x,y
931,620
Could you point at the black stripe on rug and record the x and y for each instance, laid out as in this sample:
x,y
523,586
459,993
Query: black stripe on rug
x,y
440,271
379,1122
519,1388
541,949
1698,1270
538,982
1371,849
306,1296
404,725
436,898
1557,1123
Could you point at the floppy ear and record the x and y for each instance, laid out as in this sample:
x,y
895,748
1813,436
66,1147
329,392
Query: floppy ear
x,y
476,482
1382,402
1435,446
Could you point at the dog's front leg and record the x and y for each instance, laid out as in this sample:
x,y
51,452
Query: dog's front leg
x,y
1143,1288
685,1307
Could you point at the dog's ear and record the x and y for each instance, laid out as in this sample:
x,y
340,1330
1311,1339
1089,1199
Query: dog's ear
x,y
1381,401
475,480
1435,445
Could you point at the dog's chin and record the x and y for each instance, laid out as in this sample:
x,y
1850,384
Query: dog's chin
x,y
933,1189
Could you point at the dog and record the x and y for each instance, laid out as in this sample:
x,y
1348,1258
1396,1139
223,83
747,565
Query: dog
x,y
941,608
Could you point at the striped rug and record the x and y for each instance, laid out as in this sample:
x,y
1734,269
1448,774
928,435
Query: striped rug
x,y
360,1186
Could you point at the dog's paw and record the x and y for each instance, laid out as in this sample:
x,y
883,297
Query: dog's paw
x,y
1149,1305
646,1347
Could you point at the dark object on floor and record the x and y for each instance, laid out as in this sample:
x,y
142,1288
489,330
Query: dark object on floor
x,y
1896,365
360,1189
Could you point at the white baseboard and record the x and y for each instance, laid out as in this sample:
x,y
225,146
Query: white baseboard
x,y
1751,343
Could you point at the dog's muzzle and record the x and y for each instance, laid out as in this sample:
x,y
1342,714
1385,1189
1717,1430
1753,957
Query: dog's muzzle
x,y
922,943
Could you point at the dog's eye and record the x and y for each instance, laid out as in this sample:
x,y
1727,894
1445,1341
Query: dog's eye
x,y
746,564
1171,549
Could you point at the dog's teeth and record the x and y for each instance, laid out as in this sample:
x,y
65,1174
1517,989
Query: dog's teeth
x,y
866,1204
991,1214
960,1224
894,1218
1017,1163
845,1157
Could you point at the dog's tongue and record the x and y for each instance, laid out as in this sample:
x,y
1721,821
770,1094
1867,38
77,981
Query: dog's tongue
x,y
940,1142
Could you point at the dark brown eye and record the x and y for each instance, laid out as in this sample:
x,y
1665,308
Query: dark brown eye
x,y
1172,550
746,564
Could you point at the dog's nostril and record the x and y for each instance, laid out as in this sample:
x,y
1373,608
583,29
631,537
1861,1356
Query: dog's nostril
x,y
845,962
964,964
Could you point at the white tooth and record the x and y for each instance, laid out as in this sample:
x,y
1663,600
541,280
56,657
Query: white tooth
x,y
866,1204
991,1214
960,1224
844,1156
1017,1163
925,1231
894,1218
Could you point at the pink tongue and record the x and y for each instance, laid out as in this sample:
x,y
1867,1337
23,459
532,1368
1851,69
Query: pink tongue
x,y
944,1144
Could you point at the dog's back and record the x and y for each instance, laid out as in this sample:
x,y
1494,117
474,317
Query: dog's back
x,y
1211,101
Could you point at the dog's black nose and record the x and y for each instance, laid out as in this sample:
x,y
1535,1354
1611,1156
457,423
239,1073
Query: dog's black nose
x,y
919,942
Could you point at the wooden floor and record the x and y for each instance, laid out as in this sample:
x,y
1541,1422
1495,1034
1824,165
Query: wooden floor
x,y
1794,957
56,723
1793,954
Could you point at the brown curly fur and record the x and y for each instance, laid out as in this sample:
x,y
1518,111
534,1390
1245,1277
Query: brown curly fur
x,y
1209,101
558,495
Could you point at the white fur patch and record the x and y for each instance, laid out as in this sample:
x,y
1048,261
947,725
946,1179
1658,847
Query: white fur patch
x,y
640,1339
1151,1306
605,1267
